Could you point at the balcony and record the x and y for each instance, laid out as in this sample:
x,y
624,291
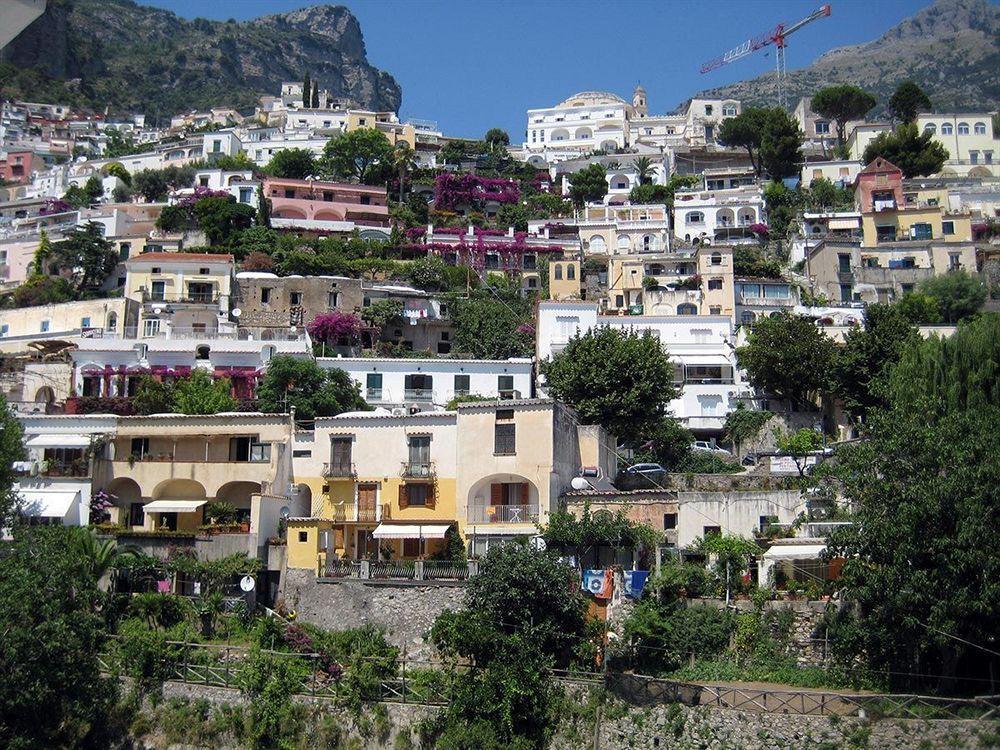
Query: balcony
x,y
79,468
503,514
884,205
181,298
369,514
339,469
418,394
417,469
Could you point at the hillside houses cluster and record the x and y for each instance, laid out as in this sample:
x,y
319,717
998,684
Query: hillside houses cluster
x,y
428,464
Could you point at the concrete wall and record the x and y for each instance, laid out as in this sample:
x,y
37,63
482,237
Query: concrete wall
x,y
735,513
405,611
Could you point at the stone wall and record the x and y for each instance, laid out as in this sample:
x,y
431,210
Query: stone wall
x,y
406,610
679,727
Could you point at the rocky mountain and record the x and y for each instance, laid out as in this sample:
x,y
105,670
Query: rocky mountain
x,y
130,57
951,49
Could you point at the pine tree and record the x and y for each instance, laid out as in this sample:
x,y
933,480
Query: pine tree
x,y
315,95
306,89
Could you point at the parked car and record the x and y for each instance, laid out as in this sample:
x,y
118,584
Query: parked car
x,y
645,469
707,447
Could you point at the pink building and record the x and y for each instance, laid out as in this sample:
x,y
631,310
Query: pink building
x,y
17,166
879,187
330,206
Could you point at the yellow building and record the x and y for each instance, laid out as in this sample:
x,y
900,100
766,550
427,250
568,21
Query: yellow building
x,y
389,487
180,291
565,279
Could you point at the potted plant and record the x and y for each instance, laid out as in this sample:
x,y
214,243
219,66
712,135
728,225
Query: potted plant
x,y
220,513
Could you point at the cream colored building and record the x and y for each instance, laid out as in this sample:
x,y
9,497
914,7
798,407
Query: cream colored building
x,y
566,279
618,230
973,147
698,282
93,318
181,291
839,171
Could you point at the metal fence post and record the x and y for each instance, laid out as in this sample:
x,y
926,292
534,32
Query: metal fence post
x,y
404,674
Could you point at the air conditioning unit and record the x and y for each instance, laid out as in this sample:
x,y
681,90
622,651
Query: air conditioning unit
x,y
399,412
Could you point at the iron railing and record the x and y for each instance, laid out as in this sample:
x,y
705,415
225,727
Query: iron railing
x,y
503,514
417,469
339,469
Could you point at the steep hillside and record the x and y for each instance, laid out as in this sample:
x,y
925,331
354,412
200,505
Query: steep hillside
x,y
136,58
951,48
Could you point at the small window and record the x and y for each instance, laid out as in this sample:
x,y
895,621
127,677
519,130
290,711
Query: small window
x,y
265,295
963,128
461,385
504,439
45,326
930,128
85,322
295,298
947,129
947,227
716,259
558,271
204,271
669,521
303,536
980,128
710,530
822,127
156,269
416,494
570,272
708,109
715,310
202,352
715,284
366,200
139,448
332,299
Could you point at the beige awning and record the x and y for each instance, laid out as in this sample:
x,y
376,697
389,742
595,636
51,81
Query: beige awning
x,y
58,441
795,552
47,504
411,531
843,224
173,506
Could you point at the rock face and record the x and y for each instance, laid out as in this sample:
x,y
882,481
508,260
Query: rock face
x,y
951,49
136,58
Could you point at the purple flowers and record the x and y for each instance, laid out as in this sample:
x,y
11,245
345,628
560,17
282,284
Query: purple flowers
x,y
334,326
762,229
54,206
454,190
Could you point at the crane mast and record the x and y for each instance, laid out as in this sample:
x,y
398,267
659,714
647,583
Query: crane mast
x,y
777,36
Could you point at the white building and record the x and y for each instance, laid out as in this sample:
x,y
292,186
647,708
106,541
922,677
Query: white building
x,y
840,172
699,345
718,216
429,384
733,513
970,140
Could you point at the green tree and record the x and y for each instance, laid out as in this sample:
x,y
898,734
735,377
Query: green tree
x,y
118,144
11,450
588,185
306,90
43,255
117,169
824,195
515,215
363,155
780,154
787,355
222,218
915,153
920,309
89,254
43,290
48,653
94,189
959,294
200,393
150,184
643,169
496,138
315,95
268,682
907,102
291,164
926,602
799,445
618,379
153,396
861,367
312,390
381,313
745,131
842,103
492,322
263,210
664,194
958,373
404,161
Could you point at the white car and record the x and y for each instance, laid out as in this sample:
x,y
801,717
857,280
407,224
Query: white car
x,y
707,447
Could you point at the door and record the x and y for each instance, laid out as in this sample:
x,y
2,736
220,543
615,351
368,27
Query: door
x,y
366,502
158,290
365,548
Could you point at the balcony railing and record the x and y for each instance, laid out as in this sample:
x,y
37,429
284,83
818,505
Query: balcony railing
x,y
503,514
418,394
196,298
339,469
417,469
364,514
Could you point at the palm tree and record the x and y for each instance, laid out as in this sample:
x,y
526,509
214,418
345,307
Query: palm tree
x,y
404,159
644,169
96,556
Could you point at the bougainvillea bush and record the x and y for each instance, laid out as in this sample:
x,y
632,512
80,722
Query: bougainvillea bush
x,y
454,190
334,326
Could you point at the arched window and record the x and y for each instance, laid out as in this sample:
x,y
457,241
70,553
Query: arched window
x,y
597,245
695,217
649,243
558,271
980,128
963,128
619,182
202,352
686,308
946,128
930,128
624,245
716,259
584,134
570,272
112,322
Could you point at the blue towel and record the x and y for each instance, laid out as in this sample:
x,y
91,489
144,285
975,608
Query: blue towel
x,y
635,582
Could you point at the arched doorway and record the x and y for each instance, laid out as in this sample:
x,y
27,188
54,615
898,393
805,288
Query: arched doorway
x,y
126,499
238,494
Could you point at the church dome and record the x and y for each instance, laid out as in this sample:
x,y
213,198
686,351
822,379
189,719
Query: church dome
x,y
589,98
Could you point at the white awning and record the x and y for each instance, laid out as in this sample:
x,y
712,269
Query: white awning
x,y
58,441
173,506
844,224
48,504
795,552
411,531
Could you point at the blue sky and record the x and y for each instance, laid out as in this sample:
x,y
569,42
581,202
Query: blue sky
x,y
472,64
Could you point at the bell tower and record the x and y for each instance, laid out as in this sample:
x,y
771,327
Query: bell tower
x,y
639,101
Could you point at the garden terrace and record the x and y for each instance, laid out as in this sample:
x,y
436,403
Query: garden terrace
x,y
454,191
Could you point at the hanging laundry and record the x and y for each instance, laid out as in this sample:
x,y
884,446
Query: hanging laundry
x,y
635,582
163,586
600,583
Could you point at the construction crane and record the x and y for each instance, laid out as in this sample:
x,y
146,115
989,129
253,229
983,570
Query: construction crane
x,y
777,37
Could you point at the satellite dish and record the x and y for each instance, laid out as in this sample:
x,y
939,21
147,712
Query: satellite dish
x,y
237,312
538,544
579,483
157,310
285,512
247,583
